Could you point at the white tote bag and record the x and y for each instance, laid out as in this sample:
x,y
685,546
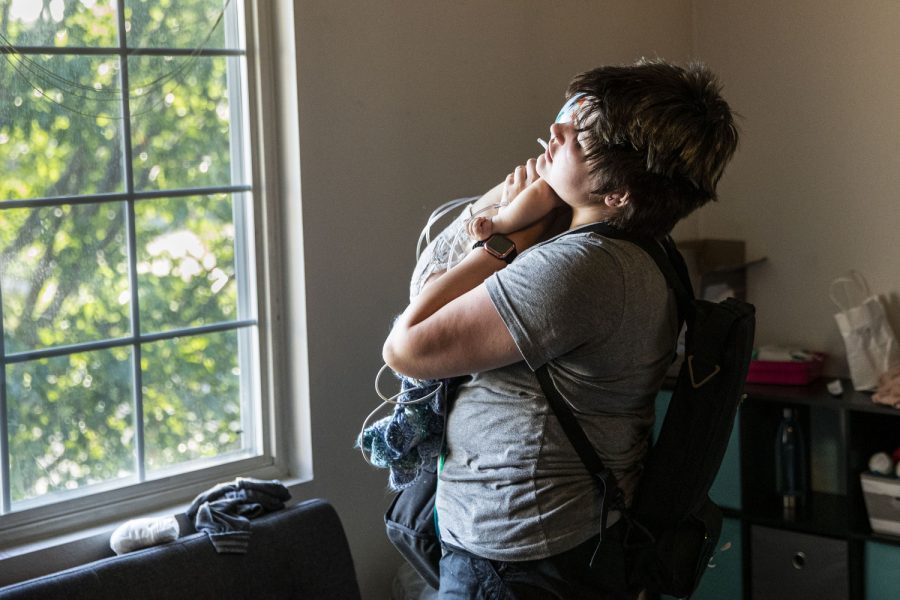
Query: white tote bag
x,y
871,345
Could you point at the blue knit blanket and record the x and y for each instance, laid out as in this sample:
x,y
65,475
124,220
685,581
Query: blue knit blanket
x,y
412,437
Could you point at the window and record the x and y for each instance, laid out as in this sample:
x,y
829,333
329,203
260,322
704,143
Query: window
x,y
128,277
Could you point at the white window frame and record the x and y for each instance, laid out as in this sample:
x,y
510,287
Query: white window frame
x,y
56,529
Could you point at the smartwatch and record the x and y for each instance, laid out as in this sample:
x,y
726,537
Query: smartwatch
x,y
499,246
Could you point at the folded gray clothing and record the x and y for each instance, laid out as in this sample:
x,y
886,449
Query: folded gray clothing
x,y
224,511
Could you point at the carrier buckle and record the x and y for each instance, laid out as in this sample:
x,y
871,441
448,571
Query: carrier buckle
x,y
696,384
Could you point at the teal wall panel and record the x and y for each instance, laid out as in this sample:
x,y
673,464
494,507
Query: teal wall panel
x,y
726,489
882,571
662,405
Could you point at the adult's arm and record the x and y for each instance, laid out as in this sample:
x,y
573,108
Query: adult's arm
x,y
452,327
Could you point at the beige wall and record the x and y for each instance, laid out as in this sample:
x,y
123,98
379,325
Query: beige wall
x,y
404,105
407,104
816,181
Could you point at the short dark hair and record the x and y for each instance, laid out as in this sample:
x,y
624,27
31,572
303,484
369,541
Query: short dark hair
x,y
659,132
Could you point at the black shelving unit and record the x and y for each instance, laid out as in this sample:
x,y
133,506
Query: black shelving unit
x,y
836,516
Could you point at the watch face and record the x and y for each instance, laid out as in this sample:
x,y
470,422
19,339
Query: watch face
x,y
499,245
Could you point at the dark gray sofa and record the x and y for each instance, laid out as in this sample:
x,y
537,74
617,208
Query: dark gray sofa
x,y
298,552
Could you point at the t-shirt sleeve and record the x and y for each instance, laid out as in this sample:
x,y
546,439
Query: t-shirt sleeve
x,y
558,296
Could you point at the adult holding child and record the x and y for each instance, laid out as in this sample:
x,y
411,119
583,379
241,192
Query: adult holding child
x,y
636,147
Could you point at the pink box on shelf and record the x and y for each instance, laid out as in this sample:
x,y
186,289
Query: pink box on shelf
x,y
792,372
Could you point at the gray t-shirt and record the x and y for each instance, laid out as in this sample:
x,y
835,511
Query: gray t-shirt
x,y
599,312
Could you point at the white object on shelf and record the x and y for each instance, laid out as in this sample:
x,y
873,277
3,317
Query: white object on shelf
x,y
835,387
881,463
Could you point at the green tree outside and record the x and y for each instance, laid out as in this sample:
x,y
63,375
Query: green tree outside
x,y
65,274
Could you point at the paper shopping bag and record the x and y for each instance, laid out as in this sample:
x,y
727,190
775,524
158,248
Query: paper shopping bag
x,y
871,345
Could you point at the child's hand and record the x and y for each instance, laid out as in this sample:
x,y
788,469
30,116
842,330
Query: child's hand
x,y
480,228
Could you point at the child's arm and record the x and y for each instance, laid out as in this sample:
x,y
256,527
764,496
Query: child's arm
x,y
529,206
524,203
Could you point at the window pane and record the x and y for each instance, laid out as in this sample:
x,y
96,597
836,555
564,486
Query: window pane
x,y
60,126
60,23
70,422
80,222
154,23
186,272
192,404
181,115
63,275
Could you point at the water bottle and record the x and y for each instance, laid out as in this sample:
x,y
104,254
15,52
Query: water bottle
x,y
791,478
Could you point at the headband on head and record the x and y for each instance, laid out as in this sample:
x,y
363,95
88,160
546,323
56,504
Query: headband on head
x,y
570,108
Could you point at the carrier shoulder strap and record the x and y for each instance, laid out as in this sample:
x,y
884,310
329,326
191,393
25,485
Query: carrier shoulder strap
x,y
672,266
667,258
573,429
703,360
592,461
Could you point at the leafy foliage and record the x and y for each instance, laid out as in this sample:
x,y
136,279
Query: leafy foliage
x,y
66,269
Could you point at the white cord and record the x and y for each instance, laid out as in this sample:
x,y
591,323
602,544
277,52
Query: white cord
x,y
388,401
438,213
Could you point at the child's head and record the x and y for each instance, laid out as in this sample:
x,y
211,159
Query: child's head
x,y
658,132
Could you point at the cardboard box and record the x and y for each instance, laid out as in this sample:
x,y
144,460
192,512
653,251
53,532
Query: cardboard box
x,y
882,496
717,267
